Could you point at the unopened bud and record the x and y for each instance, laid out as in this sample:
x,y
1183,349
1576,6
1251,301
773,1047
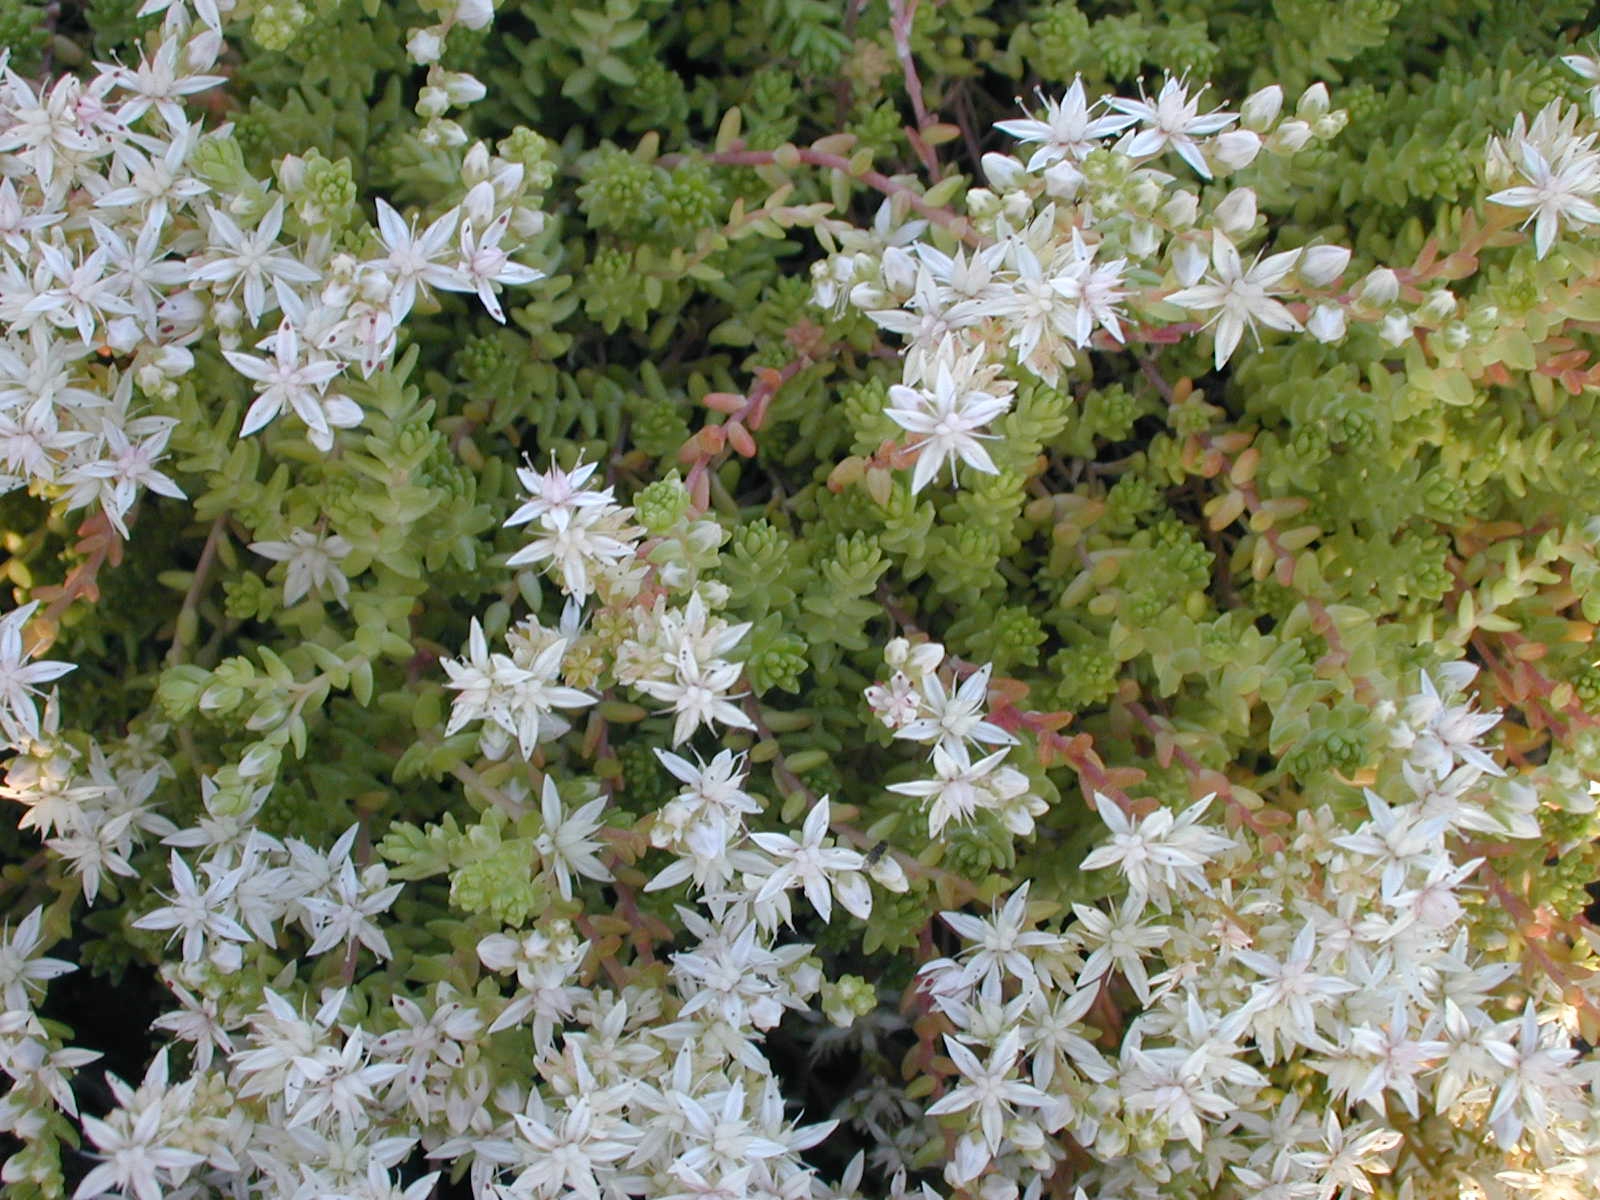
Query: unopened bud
x,y
1396,328
478,206
982,203
424,47
173,361
1180,211
899,270
462,88
1290,136
123,334
1189,259
1237,213
292,173
1326,323
1260,109
432,102
1497,168
226,313
1062,180
1144,239
925,658
1003,172
475,165
1145,193
1321,265
1439,307
1016,207
1313,102
1236,149
1380,288
474,14
449,133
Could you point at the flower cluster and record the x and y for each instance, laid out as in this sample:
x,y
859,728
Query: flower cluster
x,y
919,706
1372,995
1060,244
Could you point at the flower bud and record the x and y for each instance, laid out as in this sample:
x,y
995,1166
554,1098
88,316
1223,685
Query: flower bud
x,y
1439,307
1313,102
1145,193
226,957
374,286
123,334
260,760
424,47
1237,213
1380,288
1189,259
227,313
527,223
462,88
1144,239
1497,169
1290,136
1260,109
926,658
1236,149
1321,265
896,651
1396,328
888,874
184,310
1456,335
1016,207
1062,180
292,173
474,14
982,203
998,1187
173,361
870,297
432,102
1003,172
1180,211
475,165
152,382
478,207
899,270
1326,323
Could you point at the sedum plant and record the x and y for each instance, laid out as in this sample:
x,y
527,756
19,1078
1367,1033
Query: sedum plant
x,y
616,599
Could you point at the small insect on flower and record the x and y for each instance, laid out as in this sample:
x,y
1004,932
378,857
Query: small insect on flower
x,y
876,853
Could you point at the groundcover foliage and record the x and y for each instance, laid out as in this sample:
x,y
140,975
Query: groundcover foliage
x,y
625,598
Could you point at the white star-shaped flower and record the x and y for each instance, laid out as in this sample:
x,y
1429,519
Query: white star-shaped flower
x,y
1241,297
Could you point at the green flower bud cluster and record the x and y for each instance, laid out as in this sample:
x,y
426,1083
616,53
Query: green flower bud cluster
x,y
620,191
662,504
1082,677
